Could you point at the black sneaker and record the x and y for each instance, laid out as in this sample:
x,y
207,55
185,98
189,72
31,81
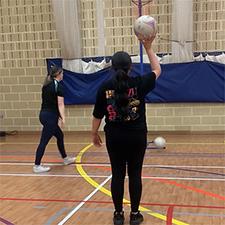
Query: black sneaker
x,y
136,219
118,218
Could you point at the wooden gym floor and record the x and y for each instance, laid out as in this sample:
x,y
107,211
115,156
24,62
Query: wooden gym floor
x,y
182,184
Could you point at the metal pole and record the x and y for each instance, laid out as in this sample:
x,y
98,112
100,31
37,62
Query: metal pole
x,y
141,49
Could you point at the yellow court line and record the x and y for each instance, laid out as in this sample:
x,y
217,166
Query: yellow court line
x,y
107,192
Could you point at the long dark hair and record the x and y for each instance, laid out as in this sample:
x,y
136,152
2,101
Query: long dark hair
x,y
55,71
121,63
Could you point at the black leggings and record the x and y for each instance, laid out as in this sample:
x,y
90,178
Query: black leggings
x,y
50,128
126,148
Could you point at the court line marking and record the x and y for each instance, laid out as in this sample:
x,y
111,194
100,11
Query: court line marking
x,y
169,215
104,176
175,213
5,221
181,185
57,215
107,192
153,166
190,188
36,143
193,171
112,210
88,197
27,157
108,202
82,203
83,143
220,156
91,174
108,164
40,207
204,143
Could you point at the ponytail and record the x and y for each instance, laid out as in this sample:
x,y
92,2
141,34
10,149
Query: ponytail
x,y
55,71
120,92
121,63
48,79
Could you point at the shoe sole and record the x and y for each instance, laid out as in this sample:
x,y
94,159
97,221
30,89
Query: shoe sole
x,y
41,171
136,223
66,164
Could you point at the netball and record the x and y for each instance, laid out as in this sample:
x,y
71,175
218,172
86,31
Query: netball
x,y
145,25
159,142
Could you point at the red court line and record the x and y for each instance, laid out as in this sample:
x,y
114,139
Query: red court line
x,y
169,215
108,202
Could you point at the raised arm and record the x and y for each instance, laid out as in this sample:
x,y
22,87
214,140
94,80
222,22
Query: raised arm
x,y
147,43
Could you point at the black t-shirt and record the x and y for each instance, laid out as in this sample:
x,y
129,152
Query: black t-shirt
x,y
140,86
50,95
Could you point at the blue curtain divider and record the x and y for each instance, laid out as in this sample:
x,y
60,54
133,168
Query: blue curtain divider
x,y
179,82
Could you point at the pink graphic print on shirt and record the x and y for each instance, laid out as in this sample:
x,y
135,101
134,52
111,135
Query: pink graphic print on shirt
x,y
132,106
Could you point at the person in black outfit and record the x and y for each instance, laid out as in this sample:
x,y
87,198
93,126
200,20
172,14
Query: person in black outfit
x,y
122,101
51,115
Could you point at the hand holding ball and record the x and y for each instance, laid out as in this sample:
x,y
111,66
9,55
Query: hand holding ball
x,y
145,25
159,142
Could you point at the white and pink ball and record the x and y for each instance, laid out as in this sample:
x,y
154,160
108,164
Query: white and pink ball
x,y
145,25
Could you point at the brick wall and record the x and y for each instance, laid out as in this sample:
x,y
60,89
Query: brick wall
x,y
28,36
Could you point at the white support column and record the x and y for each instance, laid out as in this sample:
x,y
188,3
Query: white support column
x,y
68,29
100,27
182,31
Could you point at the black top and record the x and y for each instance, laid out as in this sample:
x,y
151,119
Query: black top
x,y
50,95
140,86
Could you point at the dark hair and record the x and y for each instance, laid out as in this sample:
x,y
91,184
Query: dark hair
x,y
55,71
121,63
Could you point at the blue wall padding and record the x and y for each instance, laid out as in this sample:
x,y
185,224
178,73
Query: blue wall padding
x,y
180,82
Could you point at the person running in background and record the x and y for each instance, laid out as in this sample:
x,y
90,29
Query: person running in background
x,y
122,101
52,115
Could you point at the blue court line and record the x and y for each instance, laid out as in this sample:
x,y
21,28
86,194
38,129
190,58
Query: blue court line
x,y
40,207
57,215
197,171
112,210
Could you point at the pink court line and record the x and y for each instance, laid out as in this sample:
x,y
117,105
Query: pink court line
x,y
108,202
